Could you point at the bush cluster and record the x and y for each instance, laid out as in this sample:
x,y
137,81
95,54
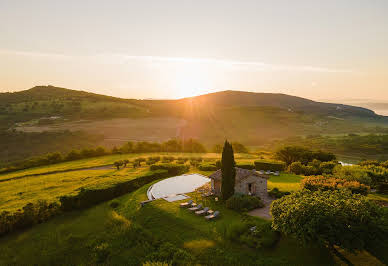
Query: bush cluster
x,y
240,202
340,218
290,154
253,235
314,167
152,160
277,194
315,183
267,165
207,167
195,161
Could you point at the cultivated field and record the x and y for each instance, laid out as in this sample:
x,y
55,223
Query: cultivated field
x,y
119,130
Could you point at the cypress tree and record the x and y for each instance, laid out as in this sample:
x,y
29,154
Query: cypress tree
x,y
228,171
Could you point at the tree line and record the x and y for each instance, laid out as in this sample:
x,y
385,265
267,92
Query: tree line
x,y
174,145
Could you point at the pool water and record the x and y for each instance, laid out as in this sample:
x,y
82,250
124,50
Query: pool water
x,y
176,185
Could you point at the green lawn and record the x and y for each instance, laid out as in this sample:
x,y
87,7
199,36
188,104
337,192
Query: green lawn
x,y
128,234
285,182
379,197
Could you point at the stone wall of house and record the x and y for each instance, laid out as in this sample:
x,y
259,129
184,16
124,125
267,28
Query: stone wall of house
x,y
260,183
216,186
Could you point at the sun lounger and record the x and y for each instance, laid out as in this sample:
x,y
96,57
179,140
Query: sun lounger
x,y
186,204
202,212
197,208
212,216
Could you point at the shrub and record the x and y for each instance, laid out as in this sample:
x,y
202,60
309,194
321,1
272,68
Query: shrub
x,y
277,194
353,173
240,202
324,183
252,234
328,167
235,230
245,166
262,236
207,167
173,169
271,166
297,168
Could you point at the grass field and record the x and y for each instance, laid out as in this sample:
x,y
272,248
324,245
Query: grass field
x,y
42,184
15,194
122,236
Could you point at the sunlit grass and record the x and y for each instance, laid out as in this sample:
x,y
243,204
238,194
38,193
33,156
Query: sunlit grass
x,y
285,182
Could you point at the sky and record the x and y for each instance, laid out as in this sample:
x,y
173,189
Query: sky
x,y
328,49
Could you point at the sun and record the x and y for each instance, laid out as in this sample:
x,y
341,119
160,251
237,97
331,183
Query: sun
x,y
191,80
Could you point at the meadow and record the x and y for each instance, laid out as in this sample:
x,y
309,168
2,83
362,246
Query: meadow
x,y
130,235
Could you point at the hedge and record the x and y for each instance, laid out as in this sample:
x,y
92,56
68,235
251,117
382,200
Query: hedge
x,y
29,215
88,197
271,166
245,166
207,167
173,169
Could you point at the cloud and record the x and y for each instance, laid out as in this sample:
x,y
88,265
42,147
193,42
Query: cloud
x,y
241,65
161,61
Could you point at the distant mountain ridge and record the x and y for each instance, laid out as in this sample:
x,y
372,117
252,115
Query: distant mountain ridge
x,y
227,98
292,103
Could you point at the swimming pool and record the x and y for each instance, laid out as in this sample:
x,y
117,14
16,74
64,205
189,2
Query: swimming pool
x,y
173,186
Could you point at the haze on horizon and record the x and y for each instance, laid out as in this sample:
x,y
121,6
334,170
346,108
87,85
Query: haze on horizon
x,y
173,49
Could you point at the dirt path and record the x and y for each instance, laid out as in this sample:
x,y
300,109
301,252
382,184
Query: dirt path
x,y
263,212
101,167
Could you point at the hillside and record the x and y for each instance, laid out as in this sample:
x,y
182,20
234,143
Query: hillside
x,y
247,117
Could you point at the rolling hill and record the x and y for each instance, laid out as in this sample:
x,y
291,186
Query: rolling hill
x,y
247,117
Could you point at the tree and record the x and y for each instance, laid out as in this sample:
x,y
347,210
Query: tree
x,y
118,164
239,148
290,154
125,162
217,148
228,171
333,218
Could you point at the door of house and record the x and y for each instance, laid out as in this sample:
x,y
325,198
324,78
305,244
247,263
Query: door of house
x,y
252,188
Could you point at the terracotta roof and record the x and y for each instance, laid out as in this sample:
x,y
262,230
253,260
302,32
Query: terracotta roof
x,y
240,174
